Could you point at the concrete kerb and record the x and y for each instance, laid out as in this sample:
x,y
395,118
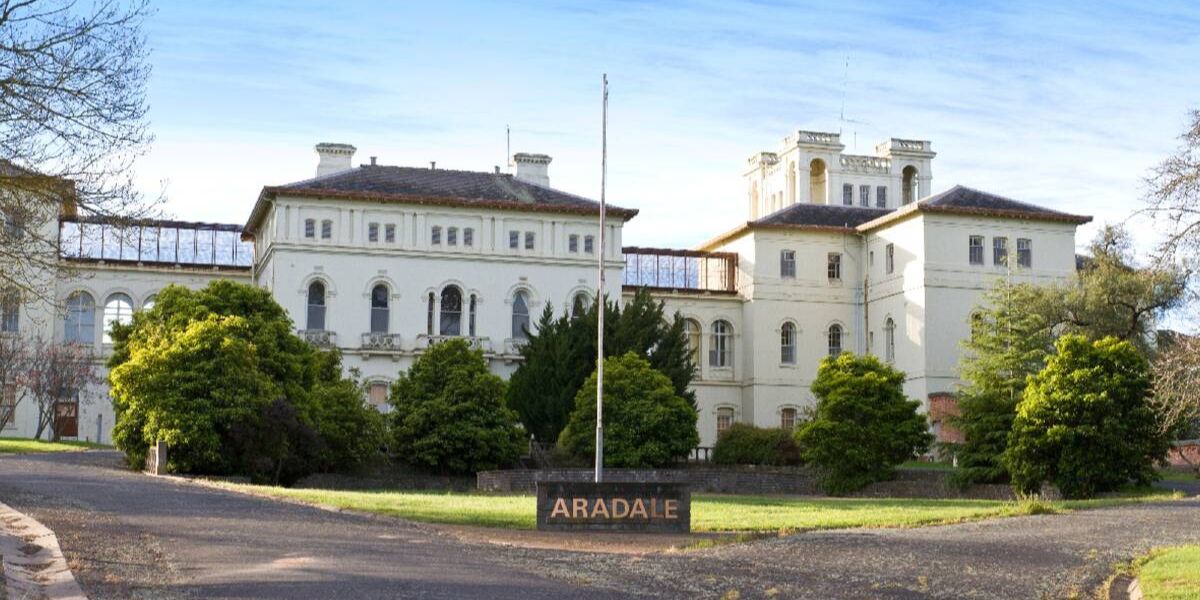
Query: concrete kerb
x,y
34,565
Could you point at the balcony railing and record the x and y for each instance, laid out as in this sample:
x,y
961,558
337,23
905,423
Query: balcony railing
x,y
319,337
154,242
513,345
681,270
425,341
381,341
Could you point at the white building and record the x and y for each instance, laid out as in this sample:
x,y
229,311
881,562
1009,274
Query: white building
x,y
381,261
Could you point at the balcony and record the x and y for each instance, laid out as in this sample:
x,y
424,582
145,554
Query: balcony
x,y
512,346
382,342
426,341
318,337
680,270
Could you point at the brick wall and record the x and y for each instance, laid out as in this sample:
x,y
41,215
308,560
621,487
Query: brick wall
x,y
943,406
1185,454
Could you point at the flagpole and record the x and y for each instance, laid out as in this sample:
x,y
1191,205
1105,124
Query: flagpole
x,y
600,303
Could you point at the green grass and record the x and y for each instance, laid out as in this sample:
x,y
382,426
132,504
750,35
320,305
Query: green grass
x,y
1172,574
710,513
926,465
27,446
1177,475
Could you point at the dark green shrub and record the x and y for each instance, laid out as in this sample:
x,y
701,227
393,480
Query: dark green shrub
x,y
745,444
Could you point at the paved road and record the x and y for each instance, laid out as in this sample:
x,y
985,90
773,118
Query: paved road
x,y
168,539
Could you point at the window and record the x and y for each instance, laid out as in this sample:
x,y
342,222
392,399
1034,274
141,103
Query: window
x,y
787,264
468,237
373,232
787,418
573,243
864,195
1000,251
529,240
909,184
871,258
310,228
514,240
377,396
149,303
889,340
429,315
8,404
316,307
12,227
720,354
579,305
80,323
389,233
435,235
691,329
834,266
889,257
1024,253
326,229
787,344
589,246
379,309
117,309
452,236
520,316
975,249
471,317
835,339
451,315
10,311
848,194
724,419
881,196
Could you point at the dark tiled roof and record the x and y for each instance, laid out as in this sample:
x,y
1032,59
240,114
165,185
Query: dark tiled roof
x,y
821,215
968,201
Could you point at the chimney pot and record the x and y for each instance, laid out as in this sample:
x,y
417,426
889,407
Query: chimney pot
x,y
373,160
533,168
432,165
334,158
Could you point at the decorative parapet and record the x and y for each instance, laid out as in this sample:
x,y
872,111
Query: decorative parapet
x,y
318,337
763,158
426,341
897,145
813,137
866,164
389,342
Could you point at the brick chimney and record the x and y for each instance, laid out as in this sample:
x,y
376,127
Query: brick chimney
x,y
334,158
532,168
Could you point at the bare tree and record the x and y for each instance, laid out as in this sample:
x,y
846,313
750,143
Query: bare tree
x,y
72,122
57,378
14,360
1173,198
1177,384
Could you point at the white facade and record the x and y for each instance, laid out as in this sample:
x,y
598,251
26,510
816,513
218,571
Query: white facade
x,y
376,274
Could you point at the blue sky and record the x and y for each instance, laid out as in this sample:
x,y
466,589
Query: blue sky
x,y
1066,106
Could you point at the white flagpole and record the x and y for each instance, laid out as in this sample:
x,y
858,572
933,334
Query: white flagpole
x,y
600,303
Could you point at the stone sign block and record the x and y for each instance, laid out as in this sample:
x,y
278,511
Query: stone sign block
x,y
616,506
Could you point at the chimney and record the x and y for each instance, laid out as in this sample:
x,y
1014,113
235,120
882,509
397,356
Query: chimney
x,y
334,158
532,168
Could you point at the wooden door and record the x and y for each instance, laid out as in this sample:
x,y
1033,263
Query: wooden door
x,y
66,418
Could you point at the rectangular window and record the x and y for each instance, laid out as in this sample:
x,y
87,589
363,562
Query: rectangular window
x,y
573,243
10,312
326,229
514,240
389,233
468,236
589,245
834,267
890,259
864,195
848,195
1000,251
310,228
975,249
378,397
435,235
1024,253
787,264
529,240
881,197
8,404
373,232
452,236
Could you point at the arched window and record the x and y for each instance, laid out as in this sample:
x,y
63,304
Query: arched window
x,y
379,309
724,419
889,340
579,305
787,344
787,418
451,315
909,184
10,311
691,328
977,323
471,317
150,301
720,353
316,307
835,339
429,314
817,180
80,324
520,315
791,183
117,309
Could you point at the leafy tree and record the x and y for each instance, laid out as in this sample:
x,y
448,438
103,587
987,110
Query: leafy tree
x,y
1084,423
745,444
646,422
449,413
561,355
863,425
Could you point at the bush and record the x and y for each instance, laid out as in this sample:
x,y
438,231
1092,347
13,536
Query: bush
x,y
864,425
449,413
745,444
1084,423
646,423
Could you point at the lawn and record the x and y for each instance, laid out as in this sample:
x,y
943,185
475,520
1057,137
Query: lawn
x,y
1172,574
27,446
710,512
